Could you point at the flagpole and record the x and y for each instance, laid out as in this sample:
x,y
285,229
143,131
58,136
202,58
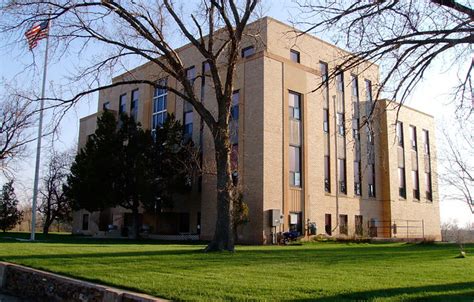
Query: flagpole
x,y
38,144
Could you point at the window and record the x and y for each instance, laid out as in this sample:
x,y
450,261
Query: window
x,y
359,222
106,106
327,174
428,189
357,178
122,103
234,116
134,104
326,120
188,121
295,55
328,224
368,97
234,110
426,142
401,183
371,180
340,124
191,74
295,103
370,136
85,222
354,86
368,91
413,137
205,66
248,51
205,69
295,166
340,82
416,185
400,133
159,113
343,230
324,72
342,175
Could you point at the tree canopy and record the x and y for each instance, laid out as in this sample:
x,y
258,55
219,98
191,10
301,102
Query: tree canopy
x,y
10,215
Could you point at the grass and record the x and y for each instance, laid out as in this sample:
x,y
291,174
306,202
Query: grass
x,y
309,272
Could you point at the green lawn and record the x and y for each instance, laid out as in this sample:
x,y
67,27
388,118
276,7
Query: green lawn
x,y
310,272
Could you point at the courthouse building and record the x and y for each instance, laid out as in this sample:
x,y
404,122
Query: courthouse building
x,y
305,157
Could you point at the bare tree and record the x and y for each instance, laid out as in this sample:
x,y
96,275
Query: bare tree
x,y
55,206
405,37
147,30
457,163
16,121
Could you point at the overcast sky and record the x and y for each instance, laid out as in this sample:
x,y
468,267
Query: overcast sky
x,y
432,96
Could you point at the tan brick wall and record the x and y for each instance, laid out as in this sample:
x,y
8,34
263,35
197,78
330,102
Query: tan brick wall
x,y
263,81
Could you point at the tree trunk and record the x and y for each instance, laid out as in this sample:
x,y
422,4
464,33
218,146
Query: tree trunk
x,y
224,233
47,222
46,226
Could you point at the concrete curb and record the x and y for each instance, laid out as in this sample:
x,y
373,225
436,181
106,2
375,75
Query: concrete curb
x,y
25,282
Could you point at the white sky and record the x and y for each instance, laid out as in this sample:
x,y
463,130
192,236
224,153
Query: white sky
x,y
431,96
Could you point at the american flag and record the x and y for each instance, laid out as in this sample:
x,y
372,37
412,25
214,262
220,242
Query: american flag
x,y
36,33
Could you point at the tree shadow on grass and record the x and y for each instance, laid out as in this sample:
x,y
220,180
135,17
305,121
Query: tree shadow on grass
x,y
440,292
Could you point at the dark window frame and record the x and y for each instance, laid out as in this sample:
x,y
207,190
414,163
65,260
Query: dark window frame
x,y
295,56
244,53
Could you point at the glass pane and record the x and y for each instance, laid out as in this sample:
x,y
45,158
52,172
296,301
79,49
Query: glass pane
x,y
188,117
297,179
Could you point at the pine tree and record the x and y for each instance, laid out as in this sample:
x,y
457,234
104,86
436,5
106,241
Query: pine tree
x,y
10,215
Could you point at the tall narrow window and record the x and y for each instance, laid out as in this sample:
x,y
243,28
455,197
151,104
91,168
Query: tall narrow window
x,y
295,166
122,103
326,120
401,183
340,91
356,135
191,74
328,224
295,138
343,229
357,178
354,86
326,126
426,142
400,133
371,180
159,113
340,81
413,137
428,189
359,222
134,104
342,175
368,97
295,55
416,185
188,121
340,124
327,174
234,118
